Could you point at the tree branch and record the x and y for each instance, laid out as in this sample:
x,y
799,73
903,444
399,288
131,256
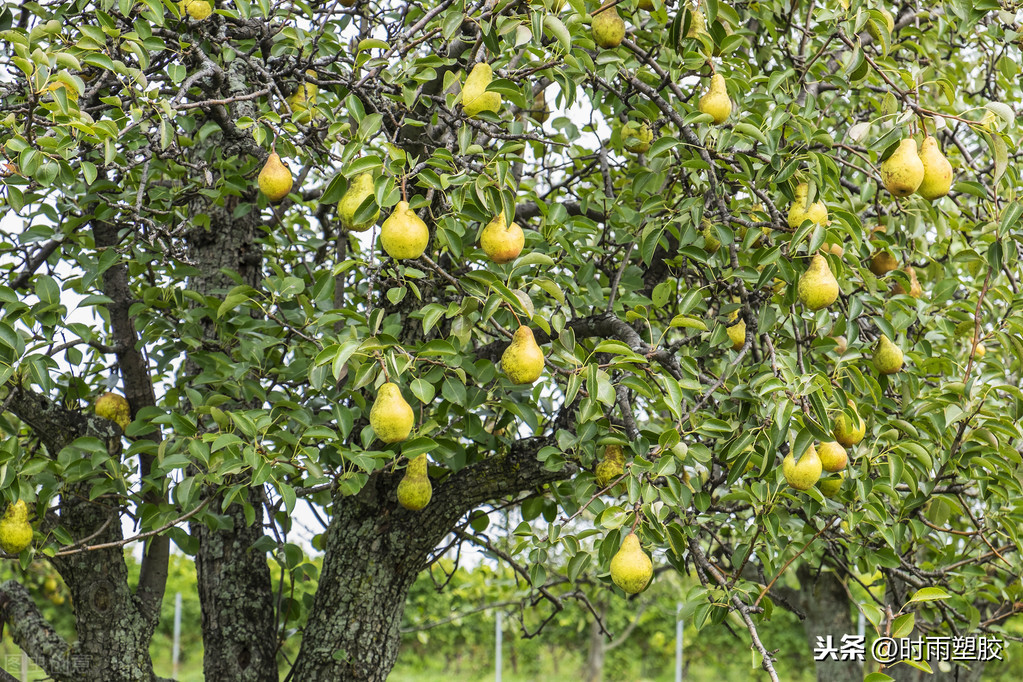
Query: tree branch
x,y
30,631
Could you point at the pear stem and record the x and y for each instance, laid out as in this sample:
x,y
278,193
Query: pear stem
x,y
383,365
639,514
404,196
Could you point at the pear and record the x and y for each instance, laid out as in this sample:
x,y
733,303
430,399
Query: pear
x,y
833,456
540,111
903,171
475,97
715,101
608,28
631,568
882,262
803,474
414,490
522,360
711,243
737,331
391,417
697,25
114,408
197,9
818,288
915,290
887,356
500,241
849,431
636,137
841,344
647,5
15,530
404,235
611,467
275,179
302,100
937,171
834,249
360,190
980,351
799,212
830,485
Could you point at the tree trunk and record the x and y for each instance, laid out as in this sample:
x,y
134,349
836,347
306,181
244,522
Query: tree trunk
x,y
595,653
826,604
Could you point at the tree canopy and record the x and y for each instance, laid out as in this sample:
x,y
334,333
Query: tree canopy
x,y
723,283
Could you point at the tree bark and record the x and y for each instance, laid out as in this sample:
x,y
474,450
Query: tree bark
x,y
595,652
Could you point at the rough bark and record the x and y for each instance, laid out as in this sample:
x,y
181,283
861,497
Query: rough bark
x,y
374,551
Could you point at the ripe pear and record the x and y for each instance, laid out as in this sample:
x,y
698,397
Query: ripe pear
x,y
636,137
715,101
937,171
849,431
631,568
818,288
697,25
391,417
360,190
903,172
882,262
737,331
887,356
522,360
830,485
404,235
15,530
803,474
841,344
611,467
275,179
197,9
475,97
833,456
500,241
302,100
980,351
817,212
915,290
114,408
414,490
608,28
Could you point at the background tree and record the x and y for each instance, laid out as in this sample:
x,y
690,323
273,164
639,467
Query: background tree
x,y
249,338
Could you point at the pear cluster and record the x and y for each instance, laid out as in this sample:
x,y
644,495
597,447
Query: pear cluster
x,y
927,173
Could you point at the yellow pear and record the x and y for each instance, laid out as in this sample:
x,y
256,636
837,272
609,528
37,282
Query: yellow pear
x,y
391,417
937,171
803,474
631,568
414,490
715,101
817,212
841,344
15,530
636,137
197,9
611,467
647,5
737,331
903,171
500,241
475,97
360,190
915,290
404,235
275,179
114,408
830,485
608,28
981,351
697,25
882,262
887,356
833,456
818,288
522,360
849,431
302,100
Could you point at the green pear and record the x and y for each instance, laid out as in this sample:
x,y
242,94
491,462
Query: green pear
x,y
611,467
803,474
882,262
15,530
818,288
302,101
631,568
404,235
475,98
500,241
736,332
647,5
716,101
608,28
915,290
697,25
711,243
199,10
887,356
275,179
833,456
360,190
391,417
849,431
114,408
636,137
522,360
414,490
937,171
799,212
830,485
903,171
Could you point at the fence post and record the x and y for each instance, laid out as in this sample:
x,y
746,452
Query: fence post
x,y
497,657
176,649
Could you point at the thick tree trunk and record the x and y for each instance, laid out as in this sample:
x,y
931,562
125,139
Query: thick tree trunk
x,y
828,613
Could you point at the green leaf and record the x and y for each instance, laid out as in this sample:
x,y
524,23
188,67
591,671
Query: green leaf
x,y
927,594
